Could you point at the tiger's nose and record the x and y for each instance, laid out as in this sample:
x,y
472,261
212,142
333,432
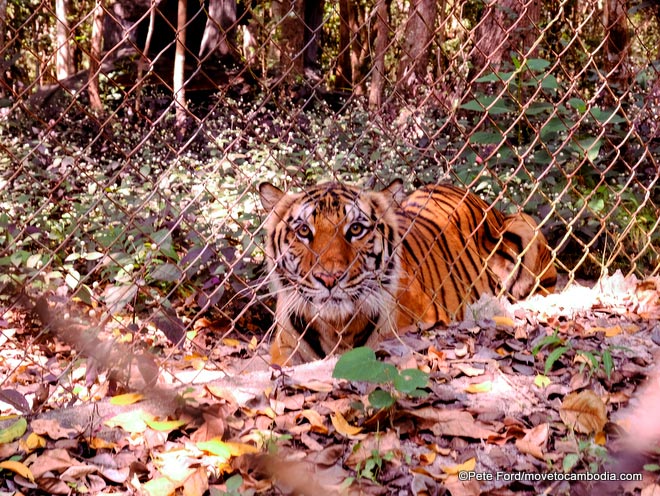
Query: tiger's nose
x,y
328,279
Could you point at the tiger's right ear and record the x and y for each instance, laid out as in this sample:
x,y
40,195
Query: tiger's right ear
x,y
395,191
270,195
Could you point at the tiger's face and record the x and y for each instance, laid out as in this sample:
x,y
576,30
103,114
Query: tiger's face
x,y
331,252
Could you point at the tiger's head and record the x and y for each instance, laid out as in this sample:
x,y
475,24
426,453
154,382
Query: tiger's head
x,y
331,252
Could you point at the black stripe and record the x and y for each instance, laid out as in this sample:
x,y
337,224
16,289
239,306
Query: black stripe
x,y
361,338
308,333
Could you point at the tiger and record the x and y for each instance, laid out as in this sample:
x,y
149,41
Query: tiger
x,y
351,267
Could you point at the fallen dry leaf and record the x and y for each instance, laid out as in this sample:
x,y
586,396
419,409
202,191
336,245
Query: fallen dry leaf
x,y
535,440
343,427
450,423
18,468
584,412
467,466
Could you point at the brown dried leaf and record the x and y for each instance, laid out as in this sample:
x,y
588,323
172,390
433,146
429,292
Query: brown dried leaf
x,y
584,411
450,423
52,429
534,441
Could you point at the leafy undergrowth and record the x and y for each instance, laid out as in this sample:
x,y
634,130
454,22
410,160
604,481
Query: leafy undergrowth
x,y
535,399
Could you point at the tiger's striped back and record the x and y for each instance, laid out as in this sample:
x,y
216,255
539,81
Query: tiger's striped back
x,y
351,267
456,248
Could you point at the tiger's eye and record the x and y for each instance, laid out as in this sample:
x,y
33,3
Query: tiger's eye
x,y
356,229
304,231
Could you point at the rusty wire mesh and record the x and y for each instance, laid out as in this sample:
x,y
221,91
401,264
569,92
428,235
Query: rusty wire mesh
x,y
128,187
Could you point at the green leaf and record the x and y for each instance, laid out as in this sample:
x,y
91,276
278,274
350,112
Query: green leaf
x,y
549,82
494,104
537,65
538,108
606,116
380,399
556,125
553,357
486,138
234,483
166,272
409,380
591,357
496,77
13,431
547,341
361,364
578,104
570,461
608,363
589,147
597,205
473,105
215,447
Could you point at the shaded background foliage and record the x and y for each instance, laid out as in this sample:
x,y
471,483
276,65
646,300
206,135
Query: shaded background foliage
x,y
132,134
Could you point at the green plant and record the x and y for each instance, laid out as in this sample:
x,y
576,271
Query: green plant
x,y
560,347
590,455
361,364
233,487
371,467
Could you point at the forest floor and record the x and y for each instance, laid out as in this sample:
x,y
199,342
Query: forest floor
x,y
548,396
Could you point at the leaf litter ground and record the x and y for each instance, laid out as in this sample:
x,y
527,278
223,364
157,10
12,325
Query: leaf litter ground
x,y
554,395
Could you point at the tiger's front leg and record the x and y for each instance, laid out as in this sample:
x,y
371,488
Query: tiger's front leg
x,y
288,348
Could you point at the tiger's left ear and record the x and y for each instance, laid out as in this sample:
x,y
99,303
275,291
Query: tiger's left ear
x,y
270,195
395,192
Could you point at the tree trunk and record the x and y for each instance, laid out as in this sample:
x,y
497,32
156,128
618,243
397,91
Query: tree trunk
x,y
179,71
95,57
3,23
378,70
63,59
220,31
312,38
416,49
506,25
344,74
289,15
617,42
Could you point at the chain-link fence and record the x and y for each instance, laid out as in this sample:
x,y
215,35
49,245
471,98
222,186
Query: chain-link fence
x,y
134,135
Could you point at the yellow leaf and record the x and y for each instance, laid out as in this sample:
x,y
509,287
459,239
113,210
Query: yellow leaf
x,y
134,421
238,449
342,426
33,442
126,399
164,425
159,487
427,458
483,387
100,443
316,420
18,468
600,438
467,466
609,332
584,411
502,321
14,431
231,342
542,381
